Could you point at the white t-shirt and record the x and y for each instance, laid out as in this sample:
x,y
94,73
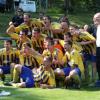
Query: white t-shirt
x,y
98,36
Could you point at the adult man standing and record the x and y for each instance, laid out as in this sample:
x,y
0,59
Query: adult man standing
x,y
96,20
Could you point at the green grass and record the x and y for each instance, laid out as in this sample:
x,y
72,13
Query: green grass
x,y
53,94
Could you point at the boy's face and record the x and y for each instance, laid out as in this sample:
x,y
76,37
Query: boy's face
x,y
25,50
66,38
35,34
7,45
46,20
46,62
66,46
26,18
21,35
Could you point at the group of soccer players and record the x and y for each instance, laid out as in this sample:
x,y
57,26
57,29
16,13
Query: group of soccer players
x,y
46,52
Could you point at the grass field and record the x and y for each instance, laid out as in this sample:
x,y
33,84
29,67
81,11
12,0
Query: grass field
x,y
53,94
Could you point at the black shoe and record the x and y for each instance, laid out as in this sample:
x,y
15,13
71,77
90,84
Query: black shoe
x,y
8,83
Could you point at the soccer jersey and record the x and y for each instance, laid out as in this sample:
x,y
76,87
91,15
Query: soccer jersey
x,y
28,61
74,58
38,44
89,48
21,27
39,74
25,26
51,77
37,23
45,77
85,36
75,45
20,43
56,54
8,58
57,33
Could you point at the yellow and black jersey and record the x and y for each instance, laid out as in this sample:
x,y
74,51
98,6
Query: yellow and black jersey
x,y
29,61
89,48
20,43
8,58
75,45
37,44
51,80
74,58
39,75
44,77
21,27
56,55
57,33
37,23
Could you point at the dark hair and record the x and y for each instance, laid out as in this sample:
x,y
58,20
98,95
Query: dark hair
x,y
36,29
28,14
64,19
19,10
10,41
49,18
69,42
68,34
27,43
75,26
50,40
25,30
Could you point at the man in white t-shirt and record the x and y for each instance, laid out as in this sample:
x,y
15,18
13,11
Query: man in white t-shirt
x,y
96,20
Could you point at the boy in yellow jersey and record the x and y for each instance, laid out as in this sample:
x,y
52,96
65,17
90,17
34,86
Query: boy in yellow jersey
x,y
37,40
26,77
21,38
74,69
55,53
50,82
87,41
8,56
46,29
68,37
26,59
75,62
89,50
26,24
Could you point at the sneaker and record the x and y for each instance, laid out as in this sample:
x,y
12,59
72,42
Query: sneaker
x,y
5,93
